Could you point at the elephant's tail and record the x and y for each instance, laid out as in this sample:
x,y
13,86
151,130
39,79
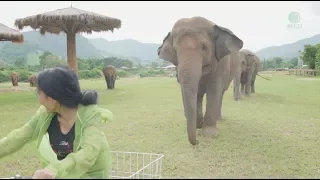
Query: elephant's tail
x,y
263,77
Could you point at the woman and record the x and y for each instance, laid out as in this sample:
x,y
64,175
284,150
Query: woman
x,y
66,127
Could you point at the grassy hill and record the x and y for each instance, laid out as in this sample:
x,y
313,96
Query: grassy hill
x,y
287,51
128,48
35,44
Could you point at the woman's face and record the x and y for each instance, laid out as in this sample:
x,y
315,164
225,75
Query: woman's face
x,y
49,103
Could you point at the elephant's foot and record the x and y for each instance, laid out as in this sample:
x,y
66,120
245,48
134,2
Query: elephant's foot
x,y
199,123
209,131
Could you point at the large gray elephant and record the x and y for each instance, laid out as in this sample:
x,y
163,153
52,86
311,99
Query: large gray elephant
x,y
200,49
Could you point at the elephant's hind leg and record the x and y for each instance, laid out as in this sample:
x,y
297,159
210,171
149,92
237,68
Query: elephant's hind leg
x,y
201,92
220,108
253,84
213,93
242,89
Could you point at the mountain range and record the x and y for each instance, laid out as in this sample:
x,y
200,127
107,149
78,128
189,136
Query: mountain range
x,y
130,49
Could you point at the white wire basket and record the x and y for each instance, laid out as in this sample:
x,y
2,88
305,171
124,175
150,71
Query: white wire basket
x,y
135,165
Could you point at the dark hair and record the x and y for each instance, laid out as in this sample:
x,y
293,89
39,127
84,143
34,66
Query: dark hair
x,y
61,83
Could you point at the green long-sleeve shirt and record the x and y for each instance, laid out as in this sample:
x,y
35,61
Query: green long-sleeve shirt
x,y
91,156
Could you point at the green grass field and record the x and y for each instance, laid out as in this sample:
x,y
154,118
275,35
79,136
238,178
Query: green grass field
x,y
272,134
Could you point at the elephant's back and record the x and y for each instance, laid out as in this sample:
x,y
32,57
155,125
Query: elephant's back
x,y
246,51
109,69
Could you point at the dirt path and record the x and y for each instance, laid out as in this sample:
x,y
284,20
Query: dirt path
x,y
15,89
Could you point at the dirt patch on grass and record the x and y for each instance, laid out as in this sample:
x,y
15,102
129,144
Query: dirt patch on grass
x,y
308,79
15,89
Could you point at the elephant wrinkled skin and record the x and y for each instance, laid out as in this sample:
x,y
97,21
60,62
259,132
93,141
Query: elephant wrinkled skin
x,y
200,49
14,76
110,74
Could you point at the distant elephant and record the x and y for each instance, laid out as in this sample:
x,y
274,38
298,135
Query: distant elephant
x,y
110,75
248,79
14,76
243,68
33,80
200,49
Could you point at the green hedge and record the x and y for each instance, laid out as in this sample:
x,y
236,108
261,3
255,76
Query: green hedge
x,y
4,76
90,74
122,73
152,73
23,75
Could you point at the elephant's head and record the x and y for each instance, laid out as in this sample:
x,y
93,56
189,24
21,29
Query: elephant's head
x,y
195,45
249,59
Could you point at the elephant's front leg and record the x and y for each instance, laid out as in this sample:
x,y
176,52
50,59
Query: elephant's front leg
x,y
201,92
213,93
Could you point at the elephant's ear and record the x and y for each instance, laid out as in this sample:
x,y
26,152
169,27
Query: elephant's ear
x,y
225,42
166,51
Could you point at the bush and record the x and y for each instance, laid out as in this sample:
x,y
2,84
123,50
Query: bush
x,y
96,73
144,74
121,73
152,73
23,75
4,76
92,74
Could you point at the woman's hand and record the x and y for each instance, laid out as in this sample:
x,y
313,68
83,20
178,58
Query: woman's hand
x,y
44,174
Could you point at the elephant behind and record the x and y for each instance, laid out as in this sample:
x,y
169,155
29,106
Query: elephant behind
x,y
33,80
200,49
110,75
248,77
14,76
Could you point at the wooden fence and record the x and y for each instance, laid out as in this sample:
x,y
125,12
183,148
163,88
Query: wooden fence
x,y
302,72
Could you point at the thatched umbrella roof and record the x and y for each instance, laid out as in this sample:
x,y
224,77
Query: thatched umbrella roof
x,y
9,34
71,21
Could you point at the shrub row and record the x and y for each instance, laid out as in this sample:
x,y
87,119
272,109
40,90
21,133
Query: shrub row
x,y
23,75
83,74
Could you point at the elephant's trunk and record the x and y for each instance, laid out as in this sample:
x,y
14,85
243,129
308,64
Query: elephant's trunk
x,y
189,73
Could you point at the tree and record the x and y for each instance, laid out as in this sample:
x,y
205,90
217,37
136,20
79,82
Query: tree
x,y
278,62
48,60
154,65
294,61
20,61
309,55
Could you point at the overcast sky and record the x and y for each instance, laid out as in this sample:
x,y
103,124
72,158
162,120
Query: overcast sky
x,y
258,24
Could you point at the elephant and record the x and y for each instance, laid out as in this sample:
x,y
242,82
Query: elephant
x,y
247,70
203,53
14,76
110,75
33,80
